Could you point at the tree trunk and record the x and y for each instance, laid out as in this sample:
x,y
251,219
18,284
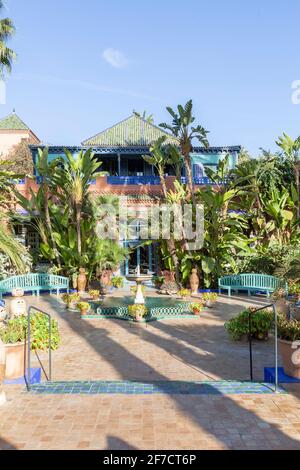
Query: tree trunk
x,y
189,178
48,223
78,227
171,242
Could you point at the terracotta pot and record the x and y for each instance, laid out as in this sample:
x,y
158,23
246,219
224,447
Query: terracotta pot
x,y
15,360
290,358
95,297
194,282
196,312
169,276
81,280
105,278
84,312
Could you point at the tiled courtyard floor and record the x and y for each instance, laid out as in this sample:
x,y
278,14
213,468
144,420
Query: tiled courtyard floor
x,y
190,349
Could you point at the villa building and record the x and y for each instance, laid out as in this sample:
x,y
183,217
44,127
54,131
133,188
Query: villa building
x,y
120,148
13,131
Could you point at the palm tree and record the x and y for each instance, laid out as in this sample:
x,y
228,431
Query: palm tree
x,y
11,247
45,170
289,147
73,177
7,55
185,132
160,157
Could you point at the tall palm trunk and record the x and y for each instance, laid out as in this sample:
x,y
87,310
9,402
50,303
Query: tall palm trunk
x,y
170,242
78,228
189,178
48,223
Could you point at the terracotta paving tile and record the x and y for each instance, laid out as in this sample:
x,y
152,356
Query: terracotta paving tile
x,y
192,349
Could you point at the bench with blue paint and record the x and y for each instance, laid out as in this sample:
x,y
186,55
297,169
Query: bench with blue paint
x,y
251,282
35,283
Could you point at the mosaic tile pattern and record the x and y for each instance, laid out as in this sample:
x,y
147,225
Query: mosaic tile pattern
x,y
156,387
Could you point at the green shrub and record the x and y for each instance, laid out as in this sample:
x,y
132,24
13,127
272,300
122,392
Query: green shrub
x,y
261,323
15,331
117,281
83,306
184,293
137,309
288,330
210,297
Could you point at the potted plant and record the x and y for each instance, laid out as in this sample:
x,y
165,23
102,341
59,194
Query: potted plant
x,y
117,282
210,299
138,312
71,300
83,307
196,307
294,290
14,335
261,324
288,332
184,293
94,293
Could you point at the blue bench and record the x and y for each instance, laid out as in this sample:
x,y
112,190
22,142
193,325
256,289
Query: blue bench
x,y
251,283
34,283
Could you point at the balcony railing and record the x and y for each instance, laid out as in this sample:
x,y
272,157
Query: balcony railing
x,y
204,181
145,180
133,180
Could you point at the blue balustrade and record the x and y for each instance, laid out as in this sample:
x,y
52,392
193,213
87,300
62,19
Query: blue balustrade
x,y
133,180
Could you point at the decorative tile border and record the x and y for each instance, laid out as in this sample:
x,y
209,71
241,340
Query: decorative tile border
x,y
156,387
155,313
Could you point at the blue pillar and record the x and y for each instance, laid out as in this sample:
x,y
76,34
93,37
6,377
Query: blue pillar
x,y
150,257
119,164
138,254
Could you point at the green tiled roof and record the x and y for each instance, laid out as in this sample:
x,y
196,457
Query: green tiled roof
x,y
13,123
133,131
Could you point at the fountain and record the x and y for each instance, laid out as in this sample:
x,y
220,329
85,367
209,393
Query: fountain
x,y
139,279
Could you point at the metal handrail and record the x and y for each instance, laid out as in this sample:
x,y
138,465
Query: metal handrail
x,y
253,312
31,311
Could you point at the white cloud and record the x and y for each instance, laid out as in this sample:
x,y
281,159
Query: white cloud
x,y
115,58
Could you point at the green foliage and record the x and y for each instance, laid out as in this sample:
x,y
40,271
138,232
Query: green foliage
x,y
83,306
288,330
71,298
210,296
184,293
137,309
196,307
15,331
261,324
117,281
94,292
294,288
7,55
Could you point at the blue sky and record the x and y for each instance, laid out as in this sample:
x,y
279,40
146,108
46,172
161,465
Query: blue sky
x,y
83,66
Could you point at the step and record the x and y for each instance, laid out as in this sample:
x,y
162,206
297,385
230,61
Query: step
x,y
155,387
